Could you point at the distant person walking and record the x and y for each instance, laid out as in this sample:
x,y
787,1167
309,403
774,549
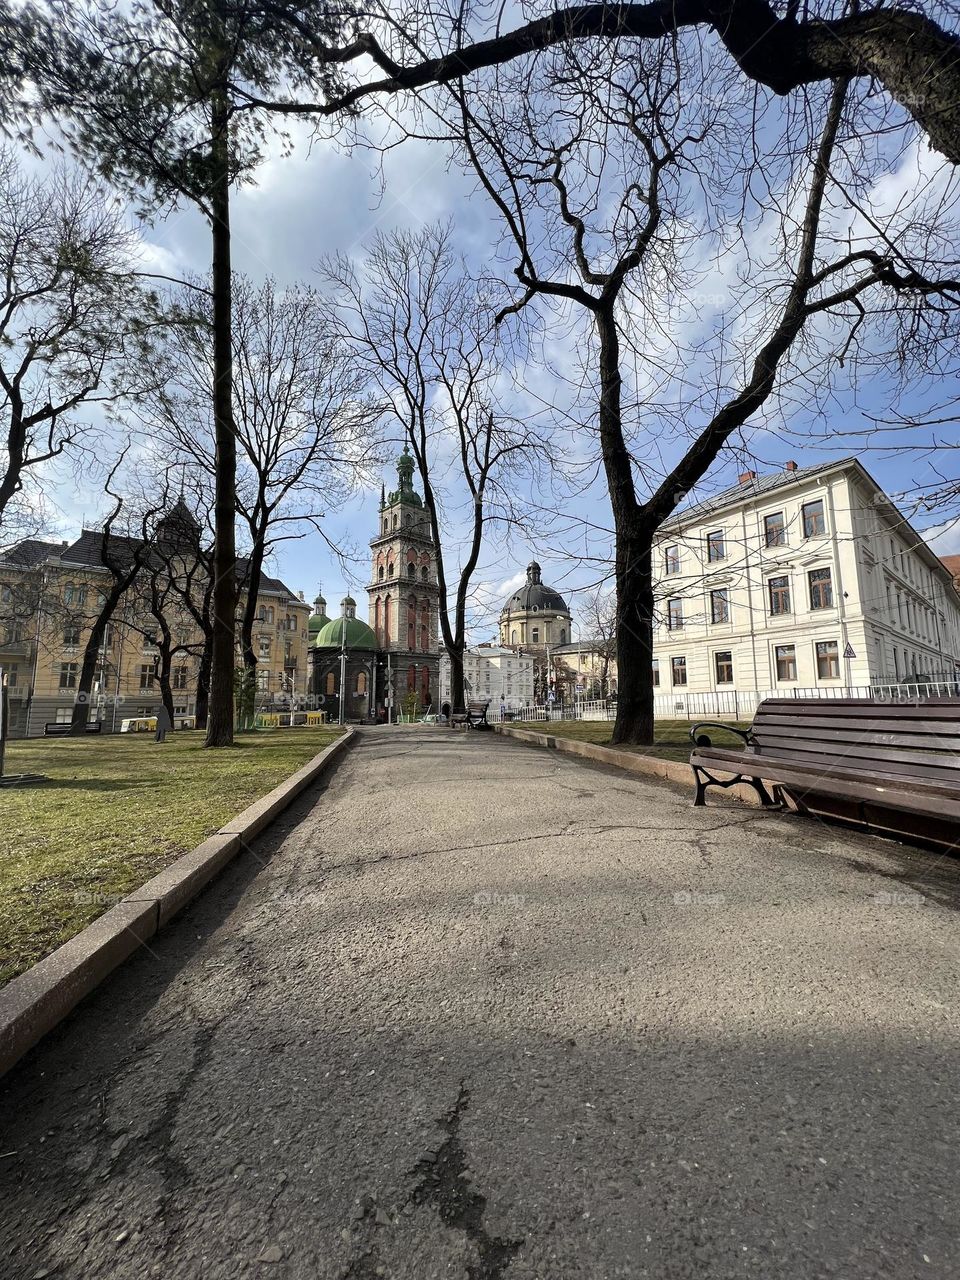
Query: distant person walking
x,y
163,724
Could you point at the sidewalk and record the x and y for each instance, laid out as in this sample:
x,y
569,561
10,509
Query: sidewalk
x,y
478,1009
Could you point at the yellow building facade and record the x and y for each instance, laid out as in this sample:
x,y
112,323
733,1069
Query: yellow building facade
x,y
50,594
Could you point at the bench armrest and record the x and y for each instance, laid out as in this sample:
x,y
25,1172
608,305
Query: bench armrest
x,y
745,734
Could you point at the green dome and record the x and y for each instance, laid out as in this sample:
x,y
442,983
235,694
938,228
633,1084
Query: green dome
x,y
317,622
359,635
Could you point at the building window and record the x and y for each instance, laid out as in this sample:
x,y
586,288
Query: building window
x,y
675,614
73,594
264,647
71,636
64,715
380,574
68,675
656,673
813,521
678,671
786,655
671,560
180,677
330,683
723,666
715,546
828,660
513,636
535,635
563,635
6,595
821,588
720,606
779,590
411,570
147,676
774,533
425,573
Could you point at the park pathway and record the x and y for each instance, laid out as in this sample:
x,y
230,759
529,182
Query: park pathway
x,y
477,1010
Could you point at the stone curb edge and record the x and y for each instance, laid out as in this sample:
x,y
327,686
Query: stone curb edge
x,y
652,766
33,1003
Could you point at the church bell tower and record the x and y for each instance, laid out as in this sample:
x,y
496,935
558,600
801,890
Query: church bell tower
x,y
403,591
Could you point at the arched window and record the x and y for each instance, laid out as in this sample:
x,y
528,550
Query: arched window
x,y
411,570
425,685
411,623
411,679
380,574
563,635
425,572
331,683
390,569
269,614
386,525
513,636
362,682
378,619
396,521
386,622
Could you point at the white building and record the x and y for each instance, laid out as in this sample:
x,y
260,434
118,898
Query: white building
x,y
804,579
492,673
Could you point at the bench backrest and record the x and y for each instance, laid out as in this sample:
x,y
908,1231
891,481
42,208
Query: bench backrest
x,y
914,739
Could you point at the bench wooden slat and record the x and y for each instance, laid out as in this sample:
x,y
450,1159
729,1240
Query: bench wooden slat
x,y
945,708
873,746
773,766
835,724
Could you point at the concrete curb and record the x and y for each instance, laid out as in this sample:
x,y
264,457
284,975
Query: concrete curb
x,y
652,766
33,1004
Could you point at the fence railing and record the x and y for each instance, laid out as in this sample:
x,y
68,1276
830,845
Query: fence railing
x,y
735,704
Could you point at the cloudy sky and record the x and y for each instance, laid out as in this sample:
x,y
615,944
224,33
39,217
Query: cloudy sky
x,y
321,200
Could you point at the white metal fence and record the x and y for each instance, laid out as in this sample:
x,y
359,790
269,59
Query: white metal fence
x,y
733,704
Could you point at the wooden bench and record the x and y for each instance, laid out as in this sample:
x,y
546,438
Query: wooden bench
x,y
893,767
58,729
476,717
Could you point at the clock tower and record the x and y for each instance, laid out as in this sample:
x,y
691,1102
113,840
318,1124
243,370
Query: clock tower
x,y
403,592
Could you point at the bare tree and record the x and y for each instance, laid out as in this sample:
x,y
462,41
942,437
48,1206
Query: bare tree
x,y
781,46
69,314
424,334
525,147
162,98
303,421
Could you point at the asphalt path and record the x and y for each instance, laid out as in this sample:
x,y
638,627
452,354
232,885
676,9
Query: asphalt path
x,y
475,1009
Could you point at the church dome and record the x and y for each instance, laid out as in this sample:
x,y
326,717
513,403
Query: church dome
x,y
359,635
533,595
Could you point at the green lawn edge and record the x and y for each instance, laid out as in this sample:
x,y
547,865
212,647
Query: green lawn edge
x,y
112,813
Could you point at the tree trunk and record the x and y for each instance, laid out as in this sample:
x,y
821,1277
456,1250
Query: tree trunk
x,y
634,723
163,679
457,695
91,655
220,713
203,683
633,540
248,690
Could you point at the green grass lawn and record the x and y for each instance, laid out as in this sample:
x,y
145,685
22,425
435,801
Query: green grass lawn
x,y
671,741
112,813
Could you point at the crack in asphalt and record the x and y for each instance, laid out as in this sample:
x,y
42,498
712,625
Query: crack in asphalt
x,y
446,1186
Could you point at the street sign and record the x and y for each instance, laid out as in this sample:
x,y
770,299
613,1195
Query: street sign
x,y
848,651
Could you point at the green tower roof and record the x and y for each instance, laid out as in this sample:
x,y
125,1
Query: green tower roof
x,y
359,635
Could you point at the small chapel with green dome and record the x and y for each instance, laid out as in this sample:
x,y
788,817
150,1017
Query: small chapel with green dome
x,y
393,661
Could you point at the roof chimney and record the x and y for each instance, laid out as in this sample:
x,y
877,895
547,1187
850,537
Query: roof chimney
x,y
790,466
747,476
